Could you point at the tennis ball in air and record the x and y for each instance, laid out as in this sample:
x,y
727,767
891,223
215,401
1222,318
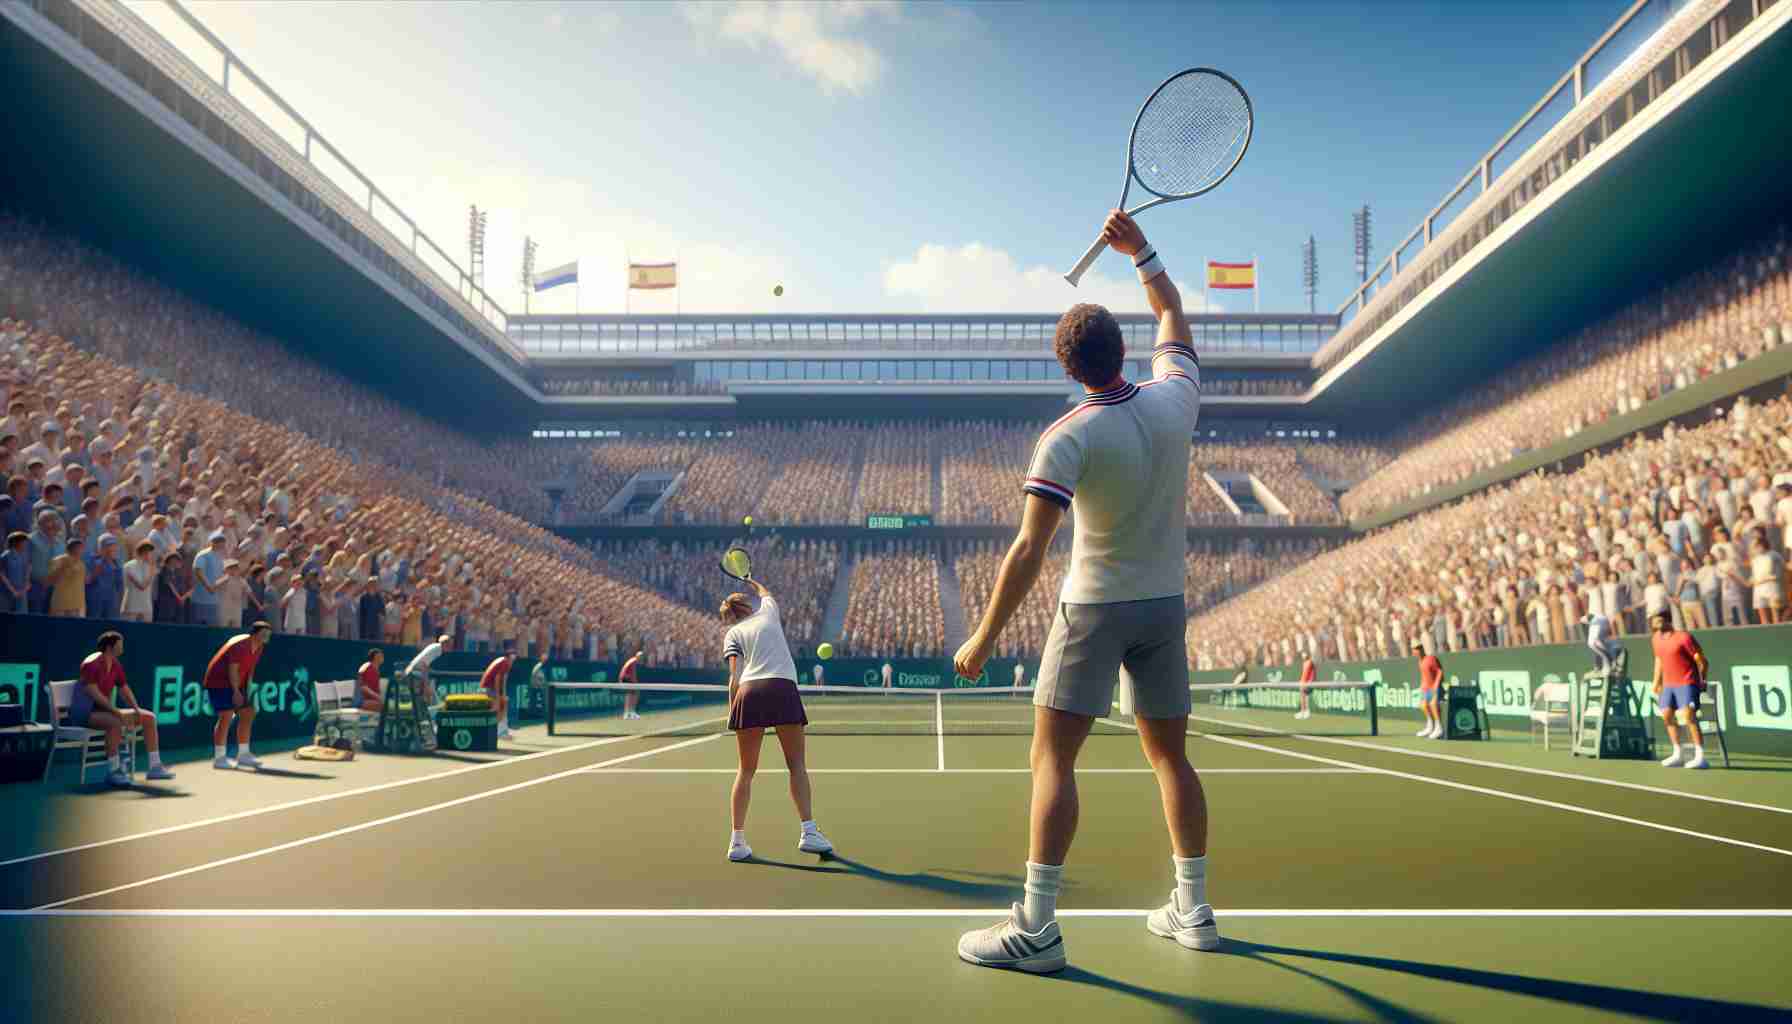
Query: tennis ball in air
x,y
778,291
748,521
825,651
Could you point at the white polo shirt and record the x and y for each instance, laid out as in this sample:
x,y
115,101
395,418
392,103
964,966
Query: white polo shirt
x,y
424,659
1119,460
758,641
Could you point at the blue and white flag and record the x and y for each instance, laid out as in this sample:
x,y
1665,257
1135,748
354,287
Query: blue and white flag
x,y
554,277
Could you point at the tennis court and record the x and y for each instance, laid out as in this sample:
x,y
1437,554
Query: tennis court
x,y
1356,876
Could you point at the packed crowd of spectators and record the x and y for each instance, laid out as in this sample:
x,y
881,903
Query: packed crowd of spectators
x,y
893,601
976,565
1705,323
193,512
68,288
898,474
1695,523
800,573
982,466
1343,464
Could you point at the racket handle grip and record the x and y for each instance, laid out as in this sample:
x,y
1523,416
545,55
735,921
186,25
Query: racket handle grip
x,y
1088,260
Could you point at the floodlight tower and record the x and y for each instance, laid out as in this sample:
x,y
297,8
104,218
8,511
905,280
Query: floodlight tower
x,y
1309,272
528,270
1364,241
476,246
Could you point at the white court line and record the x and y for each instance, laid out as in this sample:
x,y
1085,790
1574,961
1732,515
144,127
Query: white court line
x,y
363,826
1521,798
789,912
1550,772
324,798
975,771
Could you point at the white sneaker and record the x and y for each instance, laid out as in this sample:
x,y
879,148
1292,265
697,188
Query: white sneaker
x,y
739,851
159,773
1193,930
1674,760
1424,733
224,763
814,842
1009,945
247,760
1437,733
1698,759
117,779
1303,714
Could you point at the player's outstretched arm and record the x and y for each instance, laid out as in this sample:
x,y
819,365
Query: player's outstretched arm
x,y
1020,571
1124,235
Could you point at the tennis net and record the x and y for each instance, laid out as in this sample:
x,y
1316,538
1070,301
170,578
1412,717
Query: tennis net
x,y
671,709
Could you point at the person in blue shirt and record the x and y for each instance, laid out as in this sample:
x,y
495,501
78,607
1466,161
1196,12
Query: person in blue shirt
x,y
105,579
15,572
46,542
208,576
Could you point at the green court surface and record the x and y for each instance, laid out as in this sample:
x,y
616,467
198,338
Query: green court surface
x,y
1355,878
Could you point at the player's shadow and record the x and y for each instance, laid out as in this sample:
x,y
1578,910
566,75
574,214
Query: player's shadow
x,y
836,864
1593,997
286,773
139,788
1191,1007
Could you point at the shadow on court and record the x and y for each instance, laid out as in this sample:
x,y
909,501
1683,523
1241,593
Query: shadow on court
x,y
138,788
1192,1007
287,773
1648,1005
927,881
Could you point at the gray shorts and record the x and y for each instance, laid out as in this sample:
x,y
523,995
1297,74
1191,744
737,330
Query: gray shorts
x,y
1092,646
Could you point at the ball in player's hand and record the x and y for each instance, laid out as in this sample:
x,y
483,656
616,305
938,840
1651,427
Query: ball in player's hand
x,y
748,521
778,291
825,651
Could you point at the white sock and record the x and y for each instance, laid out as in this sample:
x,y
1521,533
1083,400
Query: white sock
x,y
242,749
738,837
1041,906
1191,882
155,759
117,765
809,826
217,750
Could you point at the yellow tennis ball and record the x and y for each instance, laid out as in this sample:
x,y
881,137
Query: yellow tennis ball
x,y
748,521
778,291
825,651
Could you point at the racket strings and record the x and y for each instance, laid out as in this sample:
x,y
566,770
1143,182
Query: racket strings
x,y
1190,135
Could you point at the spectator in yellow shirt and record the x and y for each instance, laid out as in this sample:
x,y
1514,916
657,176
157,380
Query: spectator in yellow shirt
x,y
68,582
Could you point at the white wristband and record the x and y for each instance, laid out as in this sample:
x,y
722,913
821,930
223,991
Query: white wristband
x,y
1150,268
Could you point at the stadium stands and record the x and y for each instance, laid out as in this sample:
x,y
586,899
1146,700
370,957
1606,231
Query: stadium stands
x,y
801,573
893,602
1687,330
1521,563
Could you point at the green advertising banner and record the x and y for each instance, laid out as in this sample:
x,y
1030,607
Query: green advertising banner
x,y
1752,664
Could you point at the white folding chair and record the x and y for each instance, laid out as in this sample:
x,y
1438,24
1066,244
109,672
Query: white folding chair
x,y
338,713
90,742
1552,708
1710,721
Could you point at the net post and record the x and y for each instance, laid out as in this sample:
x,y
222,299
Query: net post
x,y
550,708
1374,716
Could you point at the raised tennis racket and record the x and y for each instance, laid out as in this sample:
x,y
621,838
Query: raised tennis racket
x,y
1189,136
737,563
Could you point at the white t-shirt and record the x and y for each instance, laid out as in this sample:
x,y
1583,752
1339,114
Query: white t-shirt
x,y
1120,458
758,641
424,659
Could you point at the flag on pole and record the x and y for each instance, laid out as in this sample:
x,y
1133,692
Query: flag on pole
x,y
567,273
1231,275
653,275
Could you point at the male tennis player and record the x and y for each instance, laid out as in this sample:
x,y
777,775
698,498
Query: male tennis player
x,y
762,695
1308,674
631,698
227,680
1431,677
1120,458
1680,669
496,681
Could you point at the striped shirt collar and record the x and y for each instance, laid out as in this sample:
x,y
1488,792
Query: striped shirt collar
x,y
1112,396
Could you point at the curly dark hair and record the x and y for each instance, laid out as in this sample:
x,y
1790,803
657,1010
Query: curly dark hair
x,y
1089,345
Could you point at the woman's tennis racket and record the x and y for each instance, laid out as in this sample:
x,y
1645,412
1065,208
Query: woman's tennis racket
x,y
1190,134
737,563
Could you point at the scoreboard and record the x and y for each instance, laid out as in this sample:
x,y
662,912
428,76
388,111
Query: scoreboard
x,y
896,522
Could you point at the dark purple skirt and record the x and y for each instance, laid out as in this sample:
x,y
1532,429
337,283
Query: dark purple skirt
x,y
767,703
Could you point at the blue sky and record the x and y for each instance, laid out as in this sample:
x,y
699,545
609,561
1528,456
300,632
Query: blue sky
x,y
893,157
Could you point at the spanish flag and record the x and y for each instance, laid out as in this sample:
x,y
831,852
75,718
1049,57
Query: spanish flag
x,y
653,275
1231,275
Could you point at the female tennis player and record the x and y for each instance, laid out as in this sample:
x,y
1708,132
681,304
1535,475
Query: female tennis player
x,y
762,695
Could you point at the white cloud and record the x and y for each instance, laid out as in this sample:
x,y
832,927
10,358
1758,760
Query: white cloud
x,y
819,40
977,278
